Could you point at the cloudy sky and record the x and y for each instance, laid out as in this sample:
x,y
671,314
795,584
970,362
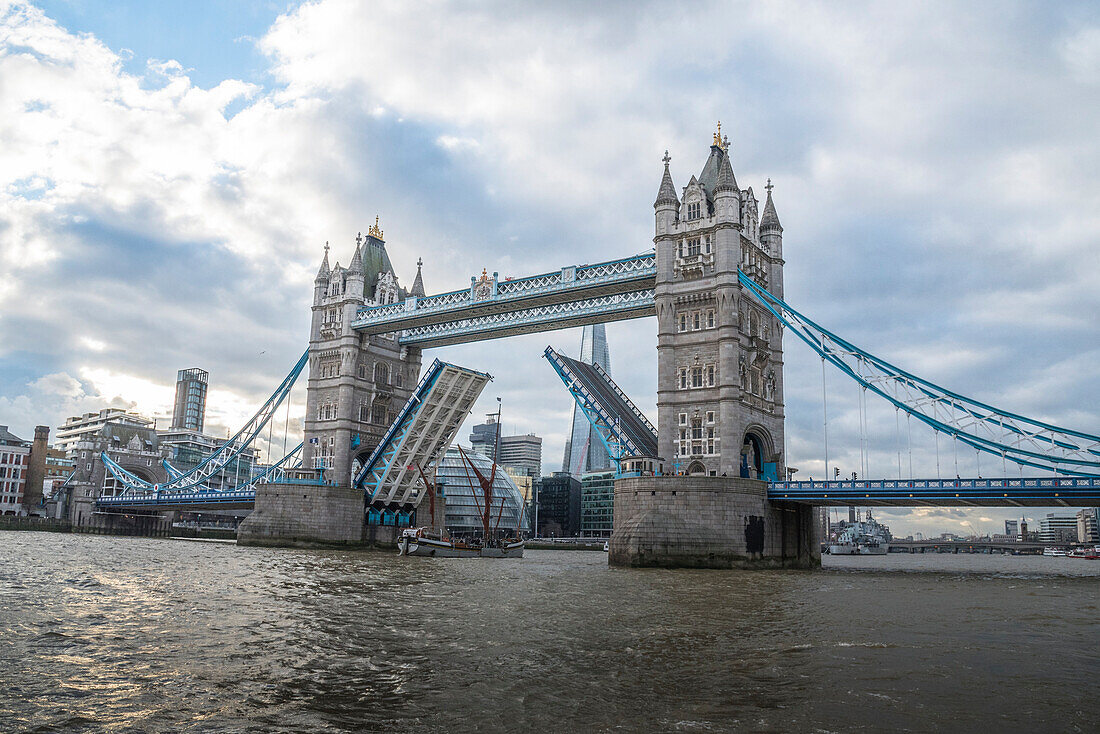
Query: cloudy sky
x,y
169,173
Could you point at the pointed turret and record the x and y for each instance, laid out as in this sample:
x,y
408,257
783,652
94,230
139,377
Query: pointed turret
x,y
769,220
356,267
725,180
667,193
324,270
418,283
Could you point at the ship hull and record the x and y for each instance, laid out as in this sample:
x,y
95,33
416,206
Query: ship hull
x,y
432,548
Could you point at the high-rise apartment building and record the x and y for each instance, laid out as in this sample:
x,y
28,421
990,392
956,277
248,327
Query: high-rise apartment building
x,y
189,412
585,452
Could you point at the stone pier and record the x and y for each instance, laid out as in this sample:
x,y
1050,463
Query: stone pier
x,y
708,522
301,514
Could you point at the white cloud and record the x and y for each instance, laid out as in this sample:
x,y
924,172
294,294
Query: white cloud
x,y
934,171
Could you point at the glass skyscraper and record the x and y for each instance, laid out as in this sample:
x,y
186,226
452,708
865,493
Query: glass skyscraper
x,y
584,452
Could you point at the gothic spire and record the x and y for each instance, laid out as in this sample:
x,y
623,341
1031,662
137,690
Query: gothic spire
x,y
418,283
725,180
323,272
667,193
356,267
769,219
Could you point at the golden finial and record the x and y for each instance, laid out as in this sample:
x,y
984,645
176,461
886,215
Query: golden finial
x,y
718,136
375,231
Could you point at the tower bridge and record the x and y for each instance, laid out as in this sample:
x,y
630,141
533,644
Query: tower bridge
x,y
704,487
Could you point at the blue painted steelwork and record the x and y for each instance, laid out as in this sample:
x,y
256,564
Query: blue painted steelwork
x,y
1013,437
276,472
623,429
370,476
1033,491
238,499
490,296
225,453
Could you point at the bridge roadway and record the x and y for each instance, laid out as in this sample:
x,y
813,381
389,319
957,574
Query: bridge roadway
x,y
185,501
1020,492
1026,492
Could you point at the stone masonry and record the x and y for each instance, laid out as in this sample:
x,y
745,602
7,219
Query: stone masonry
x,y
709,522
719,352
301,512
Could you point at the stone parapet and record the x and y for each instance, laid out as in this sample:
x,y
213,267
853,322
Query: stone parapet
x,y
304,515
708,522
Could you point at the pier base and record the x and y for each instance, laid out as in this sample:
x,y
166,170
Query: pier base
x,y
304,515
709,522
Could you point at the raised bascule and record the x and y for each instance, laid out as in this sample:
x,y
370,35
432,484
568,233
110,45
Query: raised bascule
x,y
707,487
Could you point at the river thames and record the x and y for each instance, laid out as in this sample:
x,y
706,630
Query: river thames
x,y
155,635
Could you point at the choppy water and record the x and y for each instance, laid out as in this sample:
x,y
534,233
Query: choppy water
x,y
152,635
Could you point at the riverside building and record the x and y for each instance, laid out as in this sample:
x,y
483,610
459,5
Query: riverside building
x,y
14,460
597,502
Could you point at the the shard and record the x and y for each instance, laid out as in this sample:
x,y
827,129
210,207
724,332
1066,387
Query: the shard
x,y
584,451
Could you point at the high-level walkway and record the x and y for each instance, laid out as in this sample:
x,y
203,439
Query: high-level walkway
x,y
491,308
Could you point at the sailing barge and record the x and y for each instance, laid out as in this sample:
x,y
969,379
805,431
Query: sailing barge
x,y
422,542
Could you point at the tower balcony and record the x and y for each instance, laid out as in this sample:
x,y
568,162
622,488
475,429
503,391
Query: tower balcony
x,y
696,264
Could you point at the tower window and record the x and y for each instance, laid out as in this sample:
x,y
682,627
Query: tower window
x,y
694,210
693,247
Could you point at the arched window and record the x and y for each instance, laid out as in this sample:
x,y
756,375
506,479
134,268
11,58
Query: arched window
x,y
381,373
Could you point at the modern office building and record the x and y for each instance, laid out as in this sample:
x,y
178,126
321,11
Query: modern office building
x,y
597,501
84,427
520,454
1088,525
558,506
14,460
584,451
483,438
189,412
1058,527
1012,528
465,499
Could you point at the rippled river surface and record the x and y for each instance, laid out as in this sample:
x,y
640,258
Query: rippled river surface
x,y
155,635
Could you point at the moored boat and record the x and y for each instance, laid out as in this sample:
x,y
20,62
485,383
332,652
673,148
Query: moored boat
x,y
420,542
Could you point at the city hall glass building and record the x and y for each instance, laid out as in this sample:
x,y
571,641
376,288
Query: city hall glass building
x,y
464,497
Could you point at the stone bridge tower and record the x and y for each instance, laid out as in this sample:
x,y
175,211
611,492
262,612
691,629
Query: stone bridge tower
x,y
719,390
357,383
719,352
